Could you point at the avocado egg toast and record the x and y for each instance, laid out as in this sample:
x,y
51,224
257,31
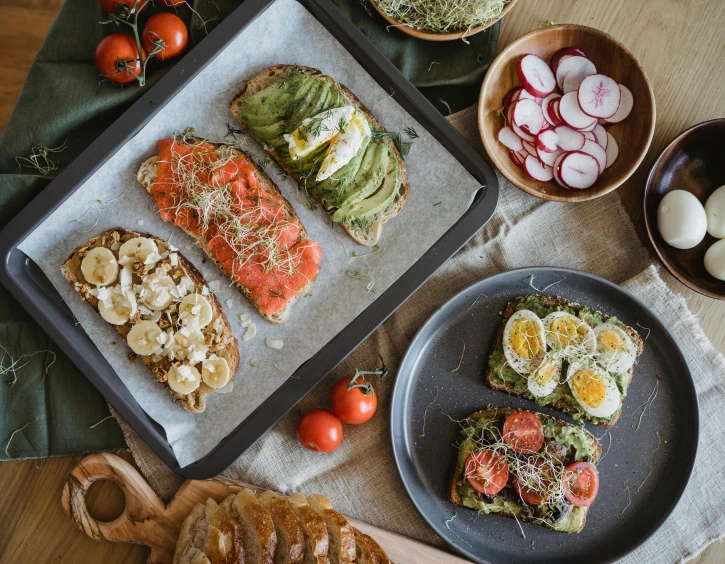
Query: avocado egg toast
x,y
565,355
329,142
528,466
161,306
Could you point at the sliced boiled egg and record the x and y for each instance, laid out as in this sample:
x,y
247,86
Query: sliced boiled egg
x,y
616,352
564,330
524,345
594,389
543,381
315,131
345,146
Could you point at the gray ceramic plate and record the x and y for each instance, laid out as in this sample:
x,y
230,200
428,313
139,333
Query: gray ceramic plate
x,y
645,467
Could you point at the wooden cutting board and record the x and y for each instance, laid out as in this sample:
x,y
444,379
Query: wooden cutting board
x,y
147,520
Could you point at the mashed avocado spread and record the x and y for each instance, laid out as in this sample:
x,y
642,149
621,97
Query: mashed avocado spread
x,y
502,373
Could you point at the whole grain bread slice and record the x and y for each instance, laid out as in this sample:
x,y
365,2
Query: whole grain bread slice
x,y
209,536
227,347
342,536
557,301
148,172
290,540
371,233
258,532
314,531
503,412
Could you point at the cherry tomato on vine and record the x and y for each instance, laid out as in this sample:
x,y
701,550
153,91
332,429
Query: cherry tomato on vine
x,y
355,405
319,430
168,28
111,6
112,50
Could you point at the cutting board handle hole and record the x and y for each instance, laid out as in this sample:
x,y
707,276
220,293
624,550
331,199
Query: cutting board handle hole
x,y
105,500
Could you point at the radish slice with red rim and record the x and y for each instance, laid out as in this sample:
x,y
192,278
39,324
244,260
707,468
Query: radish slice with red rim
x,y
578,170
555,111
555,170
545,107
528,116
510,139
514,156
612,150
530,148
511,96
626,103
571,113
569,139
521,133
535,76
576,66
536,170
547,141
595,150
600,135
561,54
598,96
548,158
589,135
590,128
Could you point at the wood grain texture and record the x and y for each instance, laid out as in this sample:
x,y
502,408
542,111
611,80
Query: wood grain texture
x,y
681,45
612,58
146,520
693,162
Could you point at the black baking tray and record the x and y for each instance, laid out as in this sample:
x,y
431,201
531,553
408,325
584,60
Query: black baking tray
x,y
25,280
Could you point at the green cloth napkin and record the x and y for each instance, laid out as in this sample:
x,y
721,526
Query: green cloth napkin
x,y
47,407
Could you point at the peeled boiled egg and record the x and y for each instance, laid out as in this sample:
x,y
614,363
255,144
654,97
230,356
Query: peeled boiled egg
x,y
681,219
524,345
715,260
715,210
543,381
594,389
564,330
615,350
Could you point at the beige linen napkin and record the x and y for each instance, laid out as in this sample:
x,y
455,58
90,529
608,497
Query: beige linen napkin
x,y
361,477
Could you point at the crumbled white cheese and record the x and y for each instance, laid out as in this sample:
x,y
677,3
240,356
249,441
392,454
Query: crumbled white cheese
x,y
196,356
226,389
174,259
184,373
229,303
172,248
152,258
115,246
214,286
273,343
250,332
205,291
140,222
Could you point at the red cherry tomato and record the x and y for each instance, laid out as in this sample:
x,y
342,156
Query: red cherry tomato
x,y
111,6
538,495
111,51
168,28
523,431
354,406
581,483
487,471
319,430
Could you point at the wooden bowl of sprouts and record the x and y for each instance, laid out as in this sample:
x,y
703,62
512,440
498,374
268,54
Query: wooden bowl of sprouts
x,y
442,20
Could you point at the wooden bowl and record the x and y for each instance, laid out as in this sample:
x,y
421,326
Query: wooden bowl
x,y
693,161
438,36
633,135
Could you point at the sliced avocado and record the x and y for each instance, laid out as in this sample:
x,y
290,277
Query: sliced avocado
x,y
300,101
266,103
269,133
306,164
376,203
369,176
332,188
337,100
310,107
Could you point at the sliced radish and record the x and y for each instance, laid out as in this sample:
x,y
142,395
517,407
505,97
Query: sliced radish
x,y
528,116
600,135
572,114
595,150
589,135
612,150
514,156
626,103
578,170
523,134
509,115
530,148
548,158
555,111
545,107
569,139
579,67
547,141
524,95
535,76
536,170
510,139
591,127
555,170
599,96
561,54
511,96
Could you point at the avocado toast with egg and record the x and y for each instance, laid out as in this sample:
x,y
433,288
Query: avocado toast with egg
x,y
565,355
161,306
329,142
527,466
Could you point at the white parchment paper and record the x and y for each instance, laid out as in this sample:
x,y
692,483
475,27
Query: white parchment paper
x,y
441,191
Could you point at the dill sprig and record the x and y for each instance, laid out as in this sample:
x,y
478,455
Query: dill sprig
x,y
403,147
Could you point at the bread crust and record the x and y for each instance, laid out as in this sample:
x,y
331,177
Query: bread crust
x,y
290,540
555,301
146,176
495,412
317,541
209,536
372,233
342,549
227,348
260,537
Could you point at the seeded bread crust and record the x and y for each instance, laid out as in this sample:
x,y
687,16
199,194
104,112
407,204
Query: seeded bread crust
x,y
503,412
555,301
371,234
227,347
147,177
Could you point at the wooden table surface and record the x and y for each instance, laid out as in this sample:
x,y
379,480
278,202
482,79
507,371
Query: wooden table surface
x,y
679,43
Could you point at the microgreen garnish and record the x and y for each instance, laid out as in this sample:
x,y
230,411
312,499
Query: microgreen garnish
x,y
38,159
431,65
460,360
443,15
446,104
549,23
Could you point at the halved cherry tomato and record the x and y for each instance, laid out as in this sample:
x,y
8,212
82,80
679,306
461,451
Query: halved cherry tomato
x,y
111,51
487,471
538,495
581,483
111,6
319,430
354,406
168,28
523,431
